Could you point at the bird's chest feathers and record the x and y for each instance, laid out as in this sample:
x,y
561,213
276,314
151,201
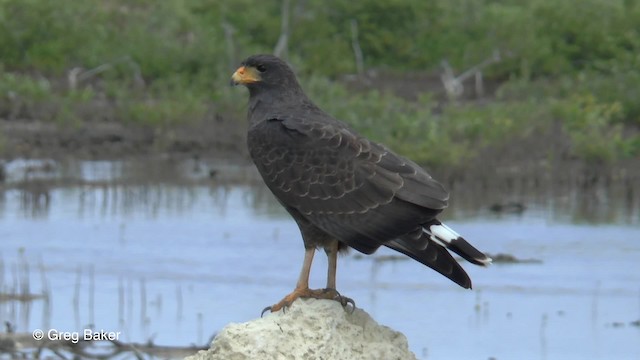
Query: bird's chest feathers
x,y
268,137
262,108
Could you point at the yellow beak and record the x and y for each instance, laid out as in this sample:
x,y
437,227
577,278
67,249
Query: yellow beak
x,y
245,75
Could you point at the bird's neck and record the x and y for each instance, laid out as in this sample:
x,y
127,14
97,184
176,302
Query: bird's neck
x,y
265,105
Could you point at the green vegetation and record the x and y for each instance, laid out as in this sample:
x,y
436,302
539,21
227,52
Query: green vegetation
x,y
164,63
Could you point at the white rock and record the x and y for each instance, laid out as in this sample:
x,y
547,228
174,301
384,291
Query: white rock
x,y
310,329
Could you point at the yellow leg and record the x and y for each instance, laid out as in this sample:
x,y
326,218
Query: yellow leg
x,y
332,256
303,280
302,286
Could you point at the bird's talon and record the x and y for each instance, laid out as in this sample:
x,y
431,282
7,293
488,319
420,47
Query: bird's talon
x,y
348,301
345,302
268,308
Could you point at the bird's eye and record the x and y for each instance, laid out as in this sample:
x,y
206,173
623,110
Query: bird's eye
x,y
261,68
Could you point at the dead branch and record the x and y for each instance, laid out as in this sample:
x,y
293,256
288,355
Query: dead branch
x,y
454,84
6,297
357,50
282,46
77,75
22,343
229,31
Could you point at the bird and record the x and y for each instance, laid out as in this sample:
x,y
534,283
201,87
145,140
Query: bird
x,y
343,190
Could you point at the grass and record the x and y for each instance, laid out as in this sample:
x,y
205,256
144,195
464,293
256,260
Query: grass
x,y
167,63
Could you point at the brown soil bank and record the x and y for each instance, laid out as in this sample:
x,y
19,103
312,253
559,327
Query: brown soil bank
x,y
111,140
220,138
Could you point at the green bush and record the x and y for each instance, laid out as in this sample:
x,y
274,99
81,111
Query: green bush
x,y
24,87
165,63
592,127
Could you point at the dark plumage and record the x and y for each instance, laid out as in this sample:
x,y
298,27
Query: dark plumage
x,y
342,189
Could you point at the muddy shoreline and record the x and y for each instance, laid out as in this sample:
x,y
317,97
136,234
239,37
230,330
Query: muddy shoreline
x,y
217,139
109,140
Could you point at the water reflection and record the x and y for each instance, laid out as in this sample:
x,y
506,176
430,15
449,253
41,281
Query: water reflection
x,y
110,188
18,294
172,251
143,187
569,200
35,200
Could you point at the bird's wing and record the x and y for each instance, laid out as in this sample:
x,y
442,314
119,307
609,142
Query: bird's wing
x,y
352,188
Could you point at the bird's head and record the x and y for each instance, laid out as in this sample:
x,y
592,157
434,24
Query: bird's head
x,y
262,72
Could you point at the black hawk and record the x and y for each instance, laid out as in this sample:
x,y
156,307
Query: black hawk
x,y
343,190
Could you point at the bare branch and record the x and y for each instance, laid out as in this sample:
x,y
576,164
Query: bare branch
x,y
229,31
357,50
76,75
479,84
453,84
281,49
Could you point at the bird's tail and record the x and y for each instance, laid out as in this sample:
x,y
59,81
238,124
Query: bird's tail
x,y
443,235
435,257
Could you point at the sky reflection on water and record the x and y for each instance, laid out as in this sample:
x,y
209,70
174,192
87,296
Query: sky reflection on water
x,y
170,254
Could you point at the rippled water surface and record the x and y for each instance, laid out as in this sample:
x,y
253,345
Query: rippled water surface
x,y
174,251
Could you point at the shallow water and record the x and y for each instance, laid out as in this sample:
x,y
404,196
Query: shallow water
x,y
160,250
